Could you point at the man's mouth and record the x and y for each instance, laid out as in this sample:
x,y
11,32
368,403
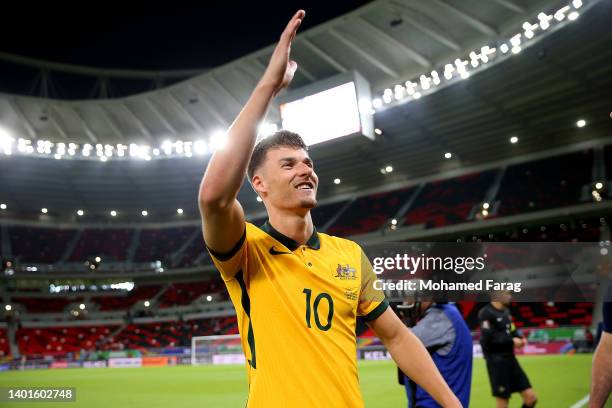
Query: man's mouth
x,y
305,185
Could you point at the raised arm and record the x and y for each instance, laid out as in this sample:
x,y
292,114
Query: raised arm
x,y
222,215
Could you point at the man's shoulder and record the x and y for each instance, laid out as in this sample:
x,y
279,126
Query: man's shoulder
x,y
338,242
255,235
485,311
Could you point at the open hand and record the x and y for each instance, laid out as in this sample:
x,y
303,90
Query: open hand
x,y
281,68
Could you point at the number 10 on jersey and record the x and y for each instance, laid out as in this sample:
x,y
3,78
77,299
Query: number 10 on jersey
x,y
315,309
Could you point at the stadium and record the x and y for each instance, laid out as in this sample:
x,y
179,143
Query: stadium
x,y
484,125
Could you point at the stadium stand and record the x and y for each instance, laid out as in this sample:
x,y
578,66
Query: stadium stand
x,y
186,292
172,334
322,214
44,304
60,340
39,245
109,244
5,349
194,253
127,300
160,244
369,213
546,183
449,201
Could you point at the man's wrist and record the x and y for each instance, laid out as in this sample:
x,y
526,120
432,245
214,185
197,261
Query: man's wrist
x,y
451,401
266,87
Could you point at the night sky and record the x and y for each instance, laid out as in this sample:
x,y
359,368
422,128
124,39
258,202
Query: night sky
x,y
164,35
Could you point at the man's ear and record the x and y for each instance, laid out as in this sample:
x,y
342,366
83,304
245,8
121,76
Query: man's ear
x,y
258,184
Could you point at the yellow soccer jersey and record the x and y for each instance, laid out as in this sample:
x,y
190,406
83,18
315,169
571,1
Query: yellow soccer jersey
x,y
297,307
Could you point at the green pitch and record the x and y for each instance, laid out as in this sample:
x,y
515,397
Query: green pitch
x,y
560,381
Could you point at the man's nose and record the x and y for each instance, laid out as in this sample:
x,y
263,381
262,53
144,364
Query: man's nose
x,y
304,170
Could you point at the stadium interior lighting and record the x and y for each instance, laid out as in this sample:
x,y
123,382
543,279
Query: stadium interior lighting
x,y
218,140
514,139
199,146
2,206
342,105
80,213
596,195
599,185
378,131
337,181
8,308
485,213
113,213
581,123
44,210
259,199
147,303
485,206
448,155
208,298
389,169
179,211
266,129
393,221
6,141
144,213
477,59
82,306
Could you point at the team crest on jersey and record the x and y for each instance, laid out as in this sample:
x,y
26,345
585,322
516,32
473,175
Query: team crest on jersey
x,y
345,272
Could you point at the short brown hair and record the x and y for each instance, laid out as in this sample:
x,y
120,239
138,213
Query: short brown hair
x,y
278,139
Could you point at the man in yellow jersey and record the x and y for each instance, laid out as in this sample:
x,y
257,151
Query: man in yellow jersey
x,y
297,292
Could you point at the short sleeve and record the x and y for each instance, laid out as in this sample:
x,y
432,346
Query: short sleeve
x,y
372,301
230,263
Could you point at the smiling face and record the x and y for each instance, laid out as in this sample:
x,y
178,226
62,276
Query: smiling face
x,y
286,179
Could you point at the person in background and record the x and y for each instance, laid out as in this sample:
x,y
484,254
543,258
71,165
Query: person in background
x,y
443,331
498,339
601,383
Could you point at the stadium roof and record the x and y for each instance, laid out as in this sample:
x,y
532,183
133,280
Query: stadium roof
x,y
536,96
387,41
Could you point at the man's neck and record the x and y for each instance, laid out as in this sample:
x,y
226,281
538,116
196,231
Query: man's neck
x,y
295,226
498,305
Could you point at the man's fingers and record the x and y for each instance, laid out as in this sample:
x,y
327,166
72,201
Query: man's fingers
x,y
294,31
293,25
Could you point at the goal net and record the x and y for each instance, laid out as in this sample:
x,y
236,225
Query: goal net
x,y
225,349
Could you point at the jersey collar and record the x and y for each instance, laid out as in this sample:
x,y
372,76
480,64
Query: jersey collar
x,y
313,242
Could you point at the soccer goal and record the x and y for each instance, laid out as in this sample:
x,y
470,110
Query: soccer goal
x,y
225,349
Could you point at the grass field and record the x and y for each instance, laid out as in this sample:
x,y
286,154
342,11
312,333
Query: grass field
x,y
560,381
